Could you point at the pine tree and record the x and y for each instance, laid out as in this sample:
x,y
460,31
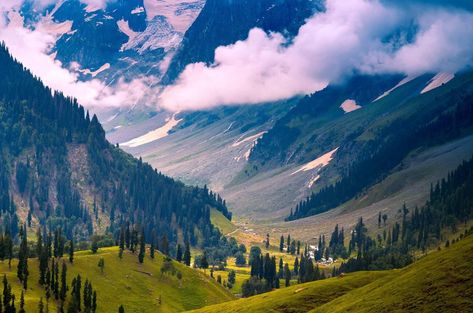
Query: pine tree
x,y
95,245
121,309
281,244
179,253
203,262
22,302
41,306
296,266
43,258
141,254
232,277
56,280
152,248
71,251
187,255
287,275
94,302
63,292
22,271
122,242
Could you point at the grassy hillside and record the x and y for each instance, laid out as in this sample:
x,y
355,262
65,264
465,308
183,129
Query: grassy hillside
x,y
136,286
439,282
221,222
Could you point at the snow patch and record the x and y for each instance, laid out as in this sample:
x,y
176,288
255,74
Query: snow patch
x,y
402,82
180,14
92,8
312,181
349,105
437,81
154,135
104,67
138,10
321,161
250,138
125,28
158,34
48,26
90,18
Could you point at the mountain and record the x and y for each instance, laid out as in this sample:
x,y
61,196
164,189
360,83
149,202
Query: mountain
x,y
225,22
375,140
122,40
439,281
268,167
58,170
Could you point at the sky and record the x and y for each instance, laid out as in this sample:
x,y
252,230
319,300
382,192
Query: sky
x,y
350,36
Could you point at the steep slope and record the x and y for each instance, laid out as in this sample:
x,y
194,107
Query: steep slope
x,y
224,22
110,40
204,147
58,170
440,281
138,287
370,150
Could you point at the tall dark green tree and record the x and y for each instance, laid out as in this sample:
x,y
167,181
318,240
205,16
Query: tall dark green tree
x,y
22,270
71,251
122,242
141,254
187,255
64,288
179,253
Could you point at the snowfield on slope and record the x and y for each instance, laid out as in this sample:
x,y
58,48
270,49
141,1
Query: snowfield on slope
x,y
349,105
154,135
437,81
321,161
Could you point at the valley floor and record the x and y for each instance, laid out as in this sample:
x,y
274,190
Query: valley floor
x,y
439,282
409,185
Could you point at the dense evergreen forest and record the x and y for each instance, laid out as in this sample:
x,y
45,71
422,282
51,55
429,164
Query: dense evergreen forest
x,y
450,206
58,171
390,146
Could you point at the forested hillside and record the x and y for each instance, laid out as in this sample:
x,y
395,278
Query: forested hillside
x,y
442,281
381,135
57,170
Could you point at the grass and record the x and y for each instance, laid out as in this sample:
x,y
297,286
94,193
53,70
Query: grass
x,y
440,282
125,281
221,222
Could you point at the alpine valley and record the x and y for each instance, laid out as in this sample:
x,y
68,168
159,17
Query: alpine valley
x,y
236,156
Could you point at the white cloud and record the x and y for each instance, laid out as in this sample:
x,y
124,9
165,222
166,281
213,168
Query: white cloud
x,y
350,36
31,49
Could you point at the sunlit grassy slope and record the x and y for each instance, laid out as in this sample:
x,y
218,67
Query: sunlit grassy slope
x,y
219,220
137,286
439,282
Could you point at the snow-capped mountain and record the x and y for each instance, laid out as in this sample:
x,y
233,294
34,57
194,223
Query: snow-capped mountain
x,y
124,39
